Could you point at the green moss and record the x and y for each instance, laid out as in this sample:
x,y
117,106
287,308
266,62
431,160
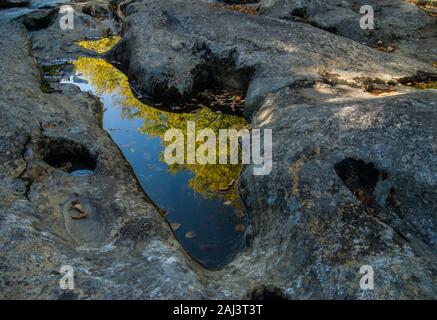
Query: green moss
x,y
426,85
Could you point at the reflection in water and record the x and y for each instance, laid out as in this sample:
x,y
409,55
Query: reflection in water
x,y
201,201
101,45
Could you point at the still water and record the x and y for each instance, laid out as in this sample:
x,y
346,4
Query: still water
x,y
201,202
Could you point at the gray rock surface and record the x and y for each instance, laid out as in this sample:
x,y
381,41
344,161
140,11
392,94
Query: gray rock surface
x,y
169,49
399,24
92,20
123,249
310,234
313,230
13,3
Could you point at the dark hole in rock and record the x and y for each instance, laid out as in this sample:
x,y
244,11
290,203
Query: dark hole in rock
x,y
267,293
392,200
219,86
221,74
361,178
70,157
300,13
216,84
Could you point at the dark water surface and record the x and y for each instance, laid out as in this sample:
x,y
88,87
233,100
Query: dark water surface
x,y
201,201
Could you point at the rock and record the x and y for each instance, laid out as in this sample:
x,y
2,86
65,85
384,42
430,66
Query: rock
x,y
388,146
353,182
123,249
92,20
310,231
13,3
169,50
38,19
398,22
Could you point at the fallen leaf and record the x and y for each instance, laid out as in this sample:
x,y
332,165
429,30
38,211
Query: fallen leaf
x,y
240,227
190,235
82,215
174,226
239,213
77,206
162,212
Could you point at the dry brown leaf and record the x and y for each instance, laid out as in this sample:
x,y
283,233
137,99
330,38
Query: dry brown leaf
x,y
80,216
174,226
77,206
240,227
190,235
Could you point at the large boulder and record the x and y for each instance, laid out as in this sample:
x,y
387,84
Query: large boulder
x,y
353,184
170,49
92,20
353,181
398,24
123,249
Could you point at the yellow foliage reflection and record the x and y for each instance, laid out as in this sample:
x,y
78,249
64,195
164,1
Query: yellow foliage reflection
x,y
101,45
209,180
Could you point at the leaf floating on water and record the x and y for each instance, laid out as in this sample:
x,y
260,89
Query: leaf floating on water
x,y
227,203
239,213
162,212
174,226
240,227
190,235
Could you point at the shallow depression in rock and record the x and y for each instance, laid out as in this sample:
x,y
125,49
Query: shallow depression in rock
x,y
69,156
200,202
